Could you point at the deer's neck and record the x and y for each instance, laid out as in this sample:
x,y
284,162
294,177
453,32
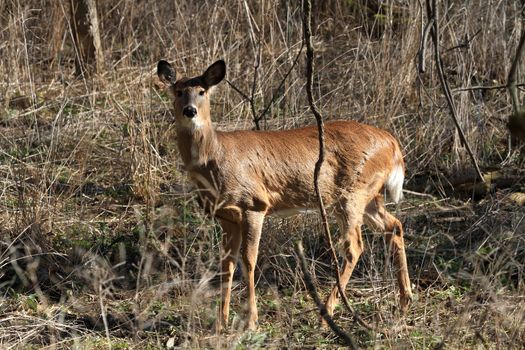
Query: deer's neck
x,y
198,147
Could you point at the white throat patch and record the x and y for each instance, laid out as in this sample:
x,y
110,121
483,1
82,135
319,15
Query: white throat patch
x,y
194,123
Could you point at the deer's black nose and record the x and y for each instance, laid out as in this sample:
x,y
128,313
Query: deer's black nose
x,y
189,111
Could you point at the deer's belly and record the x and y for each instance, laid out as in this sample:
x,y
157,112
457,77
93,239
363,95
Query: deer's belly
x,y
283,213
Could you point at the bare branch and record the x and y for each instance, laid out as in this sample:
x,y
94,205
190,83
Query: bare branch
x,y
94,29
511,81
307,14
481,87
423,45
313,293
254,87
320,125
433,14
251,101
516,122
465,44
281,83
239,91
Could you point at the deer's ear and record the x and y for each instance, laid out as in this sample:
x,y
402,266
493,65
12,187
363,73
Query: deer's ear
x,y
214,74
166,73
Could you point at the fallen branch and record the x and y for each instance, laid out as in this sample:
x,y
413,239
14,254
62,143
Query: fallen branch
x,y
491,87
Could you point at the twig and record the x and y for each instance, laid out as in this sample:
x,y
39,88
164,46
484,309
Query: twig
x,y
446,90
481,87
313,293
274,97
307,13
103,313
239,91
254,87
465,44
419,194
250,100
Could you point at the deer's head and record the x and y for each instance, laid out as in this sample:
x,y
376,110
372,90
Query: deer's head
x,y
191,96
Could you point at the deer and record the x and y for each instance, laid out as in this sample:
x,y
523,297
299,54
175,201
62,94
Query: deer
x,y
242,176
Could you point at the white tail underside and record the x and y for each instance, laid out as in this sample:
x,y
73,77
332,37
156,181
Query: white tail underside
x,y
394,184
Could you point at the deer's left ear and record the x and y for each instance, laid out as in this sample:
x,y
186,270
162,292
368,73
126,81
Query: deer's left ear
x,y
166,73
214,74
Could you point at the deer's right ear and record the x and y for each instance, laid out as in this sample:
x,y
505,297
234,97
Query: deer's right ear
x,y
166,73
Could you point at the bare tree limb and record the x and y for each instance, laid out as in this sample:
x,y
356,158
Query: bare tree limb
x,y
433,14
258,118
511,80
307,14
254,87
239,91
274,97
516,122
466,43
423,45
313,293
320,124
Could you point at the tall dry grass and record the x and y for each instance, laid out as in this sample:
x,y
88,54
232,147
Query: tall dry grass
x,y
103,246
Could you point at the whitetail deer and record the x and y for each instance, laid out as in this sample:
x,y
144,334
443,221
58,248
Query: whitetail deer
x,y
243,176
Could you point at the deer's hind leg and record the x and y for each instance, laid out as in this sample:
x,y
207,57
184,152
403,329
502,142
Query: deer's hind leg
x,y
350,226
377,217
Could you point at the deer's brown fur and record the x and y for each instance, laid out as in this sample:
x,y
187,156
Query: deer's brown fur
x,y
242,176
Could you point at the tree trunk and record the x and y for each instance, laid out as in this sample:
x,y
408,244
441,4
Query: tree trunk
x,y
86,36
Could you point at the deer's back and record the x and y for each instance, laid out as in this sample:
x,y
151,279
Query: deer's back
x,y
275,168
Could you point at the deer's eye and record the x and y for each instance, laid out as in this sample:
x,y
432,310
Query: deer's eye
x,y
202,92
178,93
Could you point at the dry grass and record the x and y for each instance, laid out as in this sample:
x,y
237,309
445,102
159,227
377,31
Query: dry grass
x,y
102,245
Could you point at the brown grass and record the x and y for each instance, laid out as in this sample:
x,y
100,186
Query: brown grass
x,y
102,245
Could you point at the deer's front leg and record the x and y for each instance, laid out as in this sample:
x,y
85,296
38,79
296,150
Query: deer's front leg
x,y
252,227
231,241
